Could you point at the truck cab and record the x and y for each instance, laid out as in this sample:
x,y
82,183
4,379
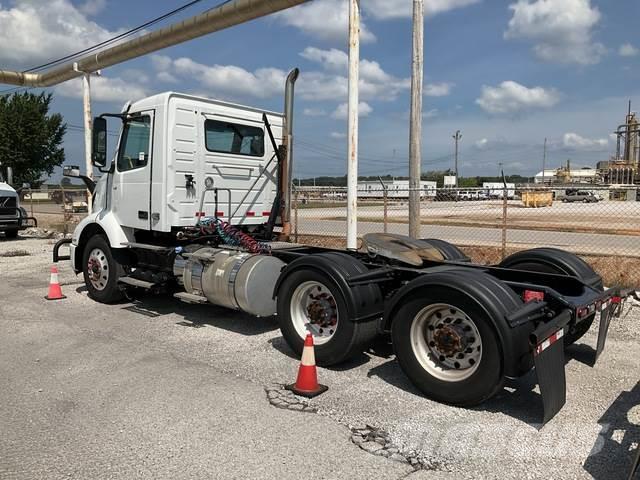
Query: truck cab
x,y
13,217
180,158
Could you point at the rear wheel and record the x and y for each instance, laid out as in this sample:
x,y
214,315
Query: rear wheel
x,y
553,260
101,271
446,344
309,301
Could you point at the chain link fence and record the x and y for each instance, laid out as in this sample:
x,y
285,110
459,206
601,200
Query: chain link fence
x,y
59,209
600,224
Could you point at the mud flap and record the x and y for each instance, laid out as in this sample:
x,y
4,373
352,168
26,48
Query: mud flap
x,y
548,358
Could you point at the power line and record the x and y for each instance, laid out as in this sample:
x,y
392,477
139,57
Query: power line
x,y
126,34
109,41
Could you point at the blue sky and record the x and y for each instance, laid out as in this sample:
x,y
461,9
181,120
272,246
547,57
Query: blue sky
x,y
505,73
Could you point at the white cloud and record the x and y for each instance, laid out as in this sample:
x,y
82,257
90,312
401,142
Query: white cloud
x,y
328,83
104,89
340,113
374,81
314,112
627,50
338,135
93,7
561,30
511,98
338,61
574,141
224,80
384,9
40,31
437,89
482,143
324,19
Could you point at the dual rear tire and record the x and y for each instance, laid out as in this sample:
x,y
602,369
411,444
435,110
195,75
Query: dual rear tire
x,y
309,300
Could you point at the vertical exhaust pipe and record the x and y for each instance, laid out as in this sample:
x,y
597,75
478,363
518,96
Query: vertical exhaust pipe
x,y
286,170
9,175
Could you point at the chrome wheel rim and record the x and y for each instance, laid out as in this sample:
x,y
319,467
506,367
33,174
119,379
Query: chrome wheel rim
x,y
446,342
98,269
314,310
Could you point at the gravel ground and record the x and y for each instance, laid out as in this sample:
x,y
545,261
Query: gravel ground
x,y
593,436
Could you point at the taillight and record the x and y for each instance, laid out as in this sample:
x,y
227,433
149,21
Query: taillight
x,y
531,295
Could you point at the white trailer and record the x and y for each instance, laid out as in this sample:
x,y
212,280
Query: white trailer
x,y
395,189
497,189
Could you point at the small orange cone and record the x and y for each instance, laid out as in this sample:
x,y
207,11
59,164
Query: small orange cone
x,y
307,382
55,292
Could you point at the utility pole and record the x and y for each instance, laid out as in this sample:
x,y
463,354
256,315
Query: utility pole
x,y
352,125
415,128
457,138
544,159
88,128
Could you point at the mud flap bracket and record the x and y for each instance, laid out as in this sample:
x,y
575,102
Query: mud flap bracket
x,y
606,313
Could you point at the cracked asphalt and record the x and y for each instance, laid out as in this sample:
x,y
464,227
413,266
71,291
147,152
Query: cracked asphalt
x,y
157,388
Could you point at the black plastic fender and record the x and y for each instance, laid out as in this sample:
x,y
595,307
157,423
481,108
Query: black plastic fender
x,y
364,302
559,260
448,250
493,296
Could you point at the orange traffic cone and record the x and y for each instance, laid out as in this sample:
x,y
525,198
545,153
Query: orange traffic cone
x,y
55,292
307,382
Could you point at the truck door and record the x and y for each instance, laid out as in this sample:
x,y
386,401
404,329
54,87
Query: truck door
x,y
131,192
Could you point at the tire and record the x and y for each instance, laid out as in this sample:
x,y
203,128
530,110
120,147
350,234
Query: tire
x,y
448,250
11,233
553,260
418,360
102,279
345,341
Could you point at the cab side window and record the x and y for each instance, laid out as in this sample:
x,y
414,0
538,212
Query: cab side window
x,y
134,148
227,137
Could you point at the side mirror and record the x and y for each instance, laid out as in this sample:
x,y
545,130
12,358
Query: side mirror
x,y
71,171
26,185
99,142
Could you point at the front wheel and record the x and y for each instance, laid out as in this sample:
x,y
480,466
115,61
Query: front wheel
x,y
11,233
446,345
101,271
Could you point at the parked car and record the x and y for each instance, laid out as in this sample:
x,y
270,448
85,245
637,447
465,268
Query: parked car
x,y
579,196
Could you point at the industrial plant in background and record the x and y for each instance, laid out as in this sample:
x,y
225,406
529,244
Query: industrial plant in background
x,y
622,169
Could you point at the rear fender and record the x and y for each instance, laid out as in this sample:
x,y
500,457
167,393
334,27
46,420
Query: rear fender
x,y
493,296
364,302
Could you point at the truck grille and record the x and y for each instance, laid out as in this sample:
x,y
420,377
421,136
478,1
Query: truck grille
x,y
8,206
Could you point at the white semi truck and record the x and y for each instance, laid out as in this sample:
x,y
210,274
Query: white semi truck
x,y
196,197
13,217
